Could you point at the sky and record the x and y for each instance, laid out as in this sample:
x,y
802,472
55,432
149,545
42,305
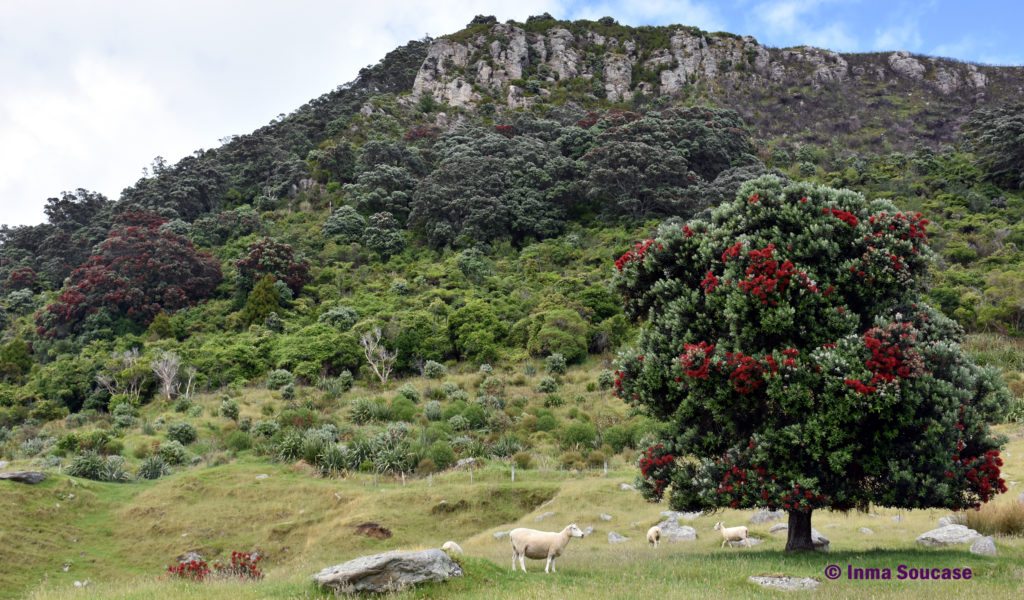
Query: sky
x,y
91,92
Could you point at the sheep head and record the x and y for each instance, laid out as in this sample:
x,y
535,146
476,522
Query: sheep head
x,y
575,531
718,526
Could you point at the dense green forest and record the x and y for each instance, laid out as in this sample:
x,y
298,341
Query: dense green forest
x,y
372,235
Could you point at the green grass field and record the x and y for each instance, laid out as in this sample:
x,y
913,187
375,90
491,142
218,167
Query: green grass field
x,y
120,537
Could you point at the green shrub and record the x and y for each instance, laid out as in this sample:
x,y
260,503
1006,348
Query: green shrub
x,y
124,416
441,454
555,364
458,423
173,452
595,459
298,418
91,465
546,422
333,459
402,409
410,392
266,428
475,415
553,400
279,378
618,437
492,386
547,385
578,434
523,460
426,466
239,441
153,467
229,409
434,370
182,432
572,460
605,379
506,446
289,447
288,391
432,410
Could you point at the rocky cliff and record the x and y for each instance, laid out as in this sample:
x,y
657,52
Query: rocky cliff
x,y
518,66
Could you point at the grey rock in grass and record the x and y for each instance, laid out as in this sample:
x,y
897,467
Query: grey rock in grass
x,y
3,464
263,476
625,487
985,546
29,477
948,536
776,528
866,531
545,515
605,517
785,583
767,516
388,572
672,515
672,531
743,544
500,535
821,543
587,531
897,518
614,538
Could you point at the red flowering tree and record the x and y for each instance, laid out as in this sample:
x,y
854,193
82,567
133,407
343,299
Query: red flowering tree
x,y
136,272
786,342
277,259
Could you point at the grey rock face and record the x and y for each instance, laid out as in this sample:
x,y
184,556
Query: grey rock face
x,y
821,543
29,477
388,572
985,546
906,65
948,536
743,543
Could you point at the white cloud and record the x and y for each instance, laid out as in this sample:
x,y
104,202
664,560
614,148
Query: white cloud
x,y
906,36
93,91
789,23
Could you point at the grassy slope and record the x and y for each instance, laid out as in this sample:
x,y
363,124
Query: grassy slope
x,y
120,537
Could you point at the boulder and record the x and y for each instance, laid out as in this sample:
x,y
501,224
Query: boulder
x,y
672,531
263,476
452,548
743,544
605,517
820,542
587,531
190,556
672,515
625,487
466,463
500,535
30,477
985,546
767,516
785,583
388,572
866,531
948,536
776,528
614,538
545,515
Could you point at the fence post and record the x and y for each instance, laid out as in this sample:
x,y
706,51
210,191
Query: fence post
x,y
513,472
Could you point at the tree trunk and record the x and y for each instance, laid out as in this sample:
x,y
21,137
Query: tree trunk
x,y
799,532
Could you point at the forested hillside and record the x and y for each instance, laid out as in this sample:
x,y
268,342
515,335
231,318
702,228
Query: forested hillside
x,y
468,197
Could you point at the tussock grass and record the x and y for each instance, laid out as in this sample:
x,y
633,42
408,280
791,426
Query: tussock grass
x,y
1000,517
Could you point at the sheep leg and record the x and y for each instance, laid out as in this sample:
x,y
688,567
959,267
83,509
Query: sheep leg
x,y
515,555
724,542
748,541
553,569
547,566
522,562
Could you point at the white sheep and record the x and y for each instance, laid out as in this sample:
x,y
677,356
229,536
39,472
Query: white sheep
x,y
451,547
530,543
733,534
654,536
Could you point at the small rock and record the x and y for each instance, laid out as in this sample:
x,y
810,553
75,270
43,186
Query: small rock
x,y
625,487
897,518
614,538
672,531
545,515
500,535
3,464
263,476
190,556
866,531
29,477
66,567
821,543
605,517
948,535
465,463
82,584
587,531
742,544
778,527
766,516
452,548
388,572
985,546
786,583
672,515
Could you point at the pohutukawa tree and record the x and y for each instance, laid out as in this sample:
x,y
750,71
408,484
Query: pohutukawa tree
x,y
786,341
